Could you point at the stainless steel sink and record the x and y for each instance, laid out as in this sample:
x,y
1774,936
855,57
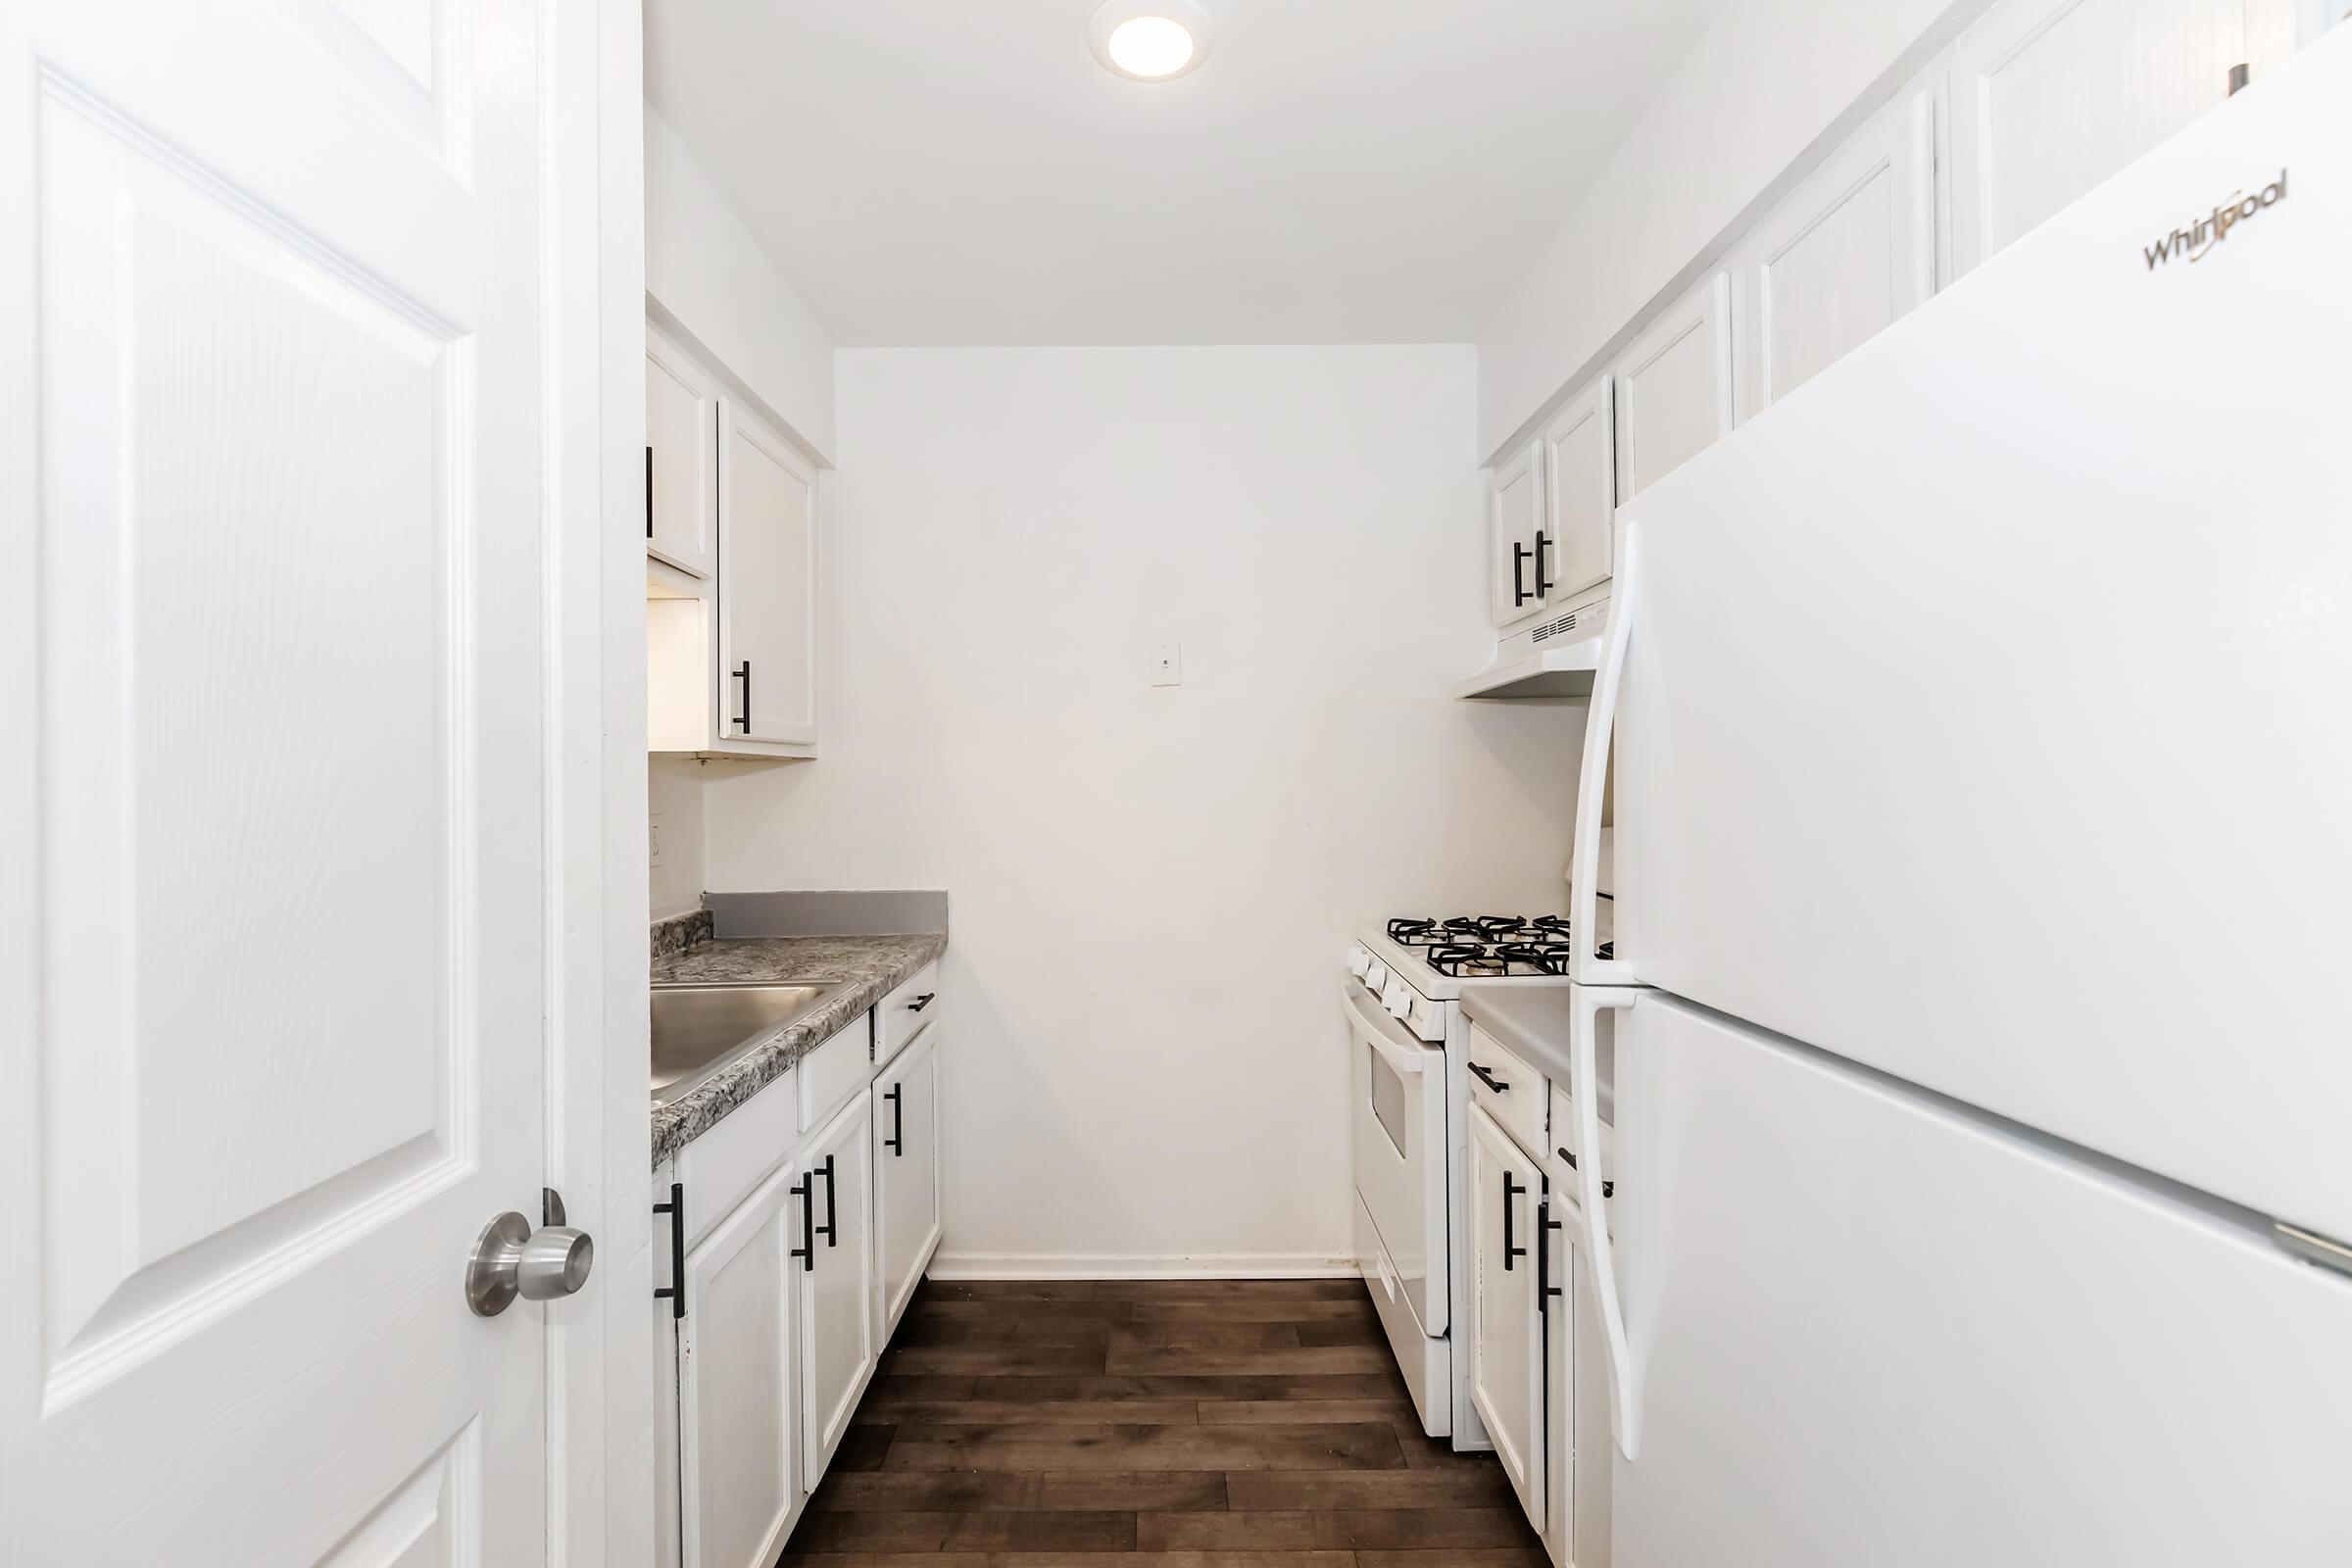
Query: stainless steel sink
x,y
701,1029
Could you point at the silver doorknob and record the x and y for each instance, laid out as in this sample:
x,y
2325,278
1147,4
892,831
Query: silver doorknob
x,y
512,1259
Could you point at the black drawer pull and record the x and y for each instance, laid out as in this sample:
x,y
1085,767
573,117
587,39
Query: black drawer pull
x,y
649,492
1543,545
1519,559
1510,1190
807,1251
743,673
1607,1189
1489,1080
828,1230
896,1142
675,1292
922,1001
1544,1289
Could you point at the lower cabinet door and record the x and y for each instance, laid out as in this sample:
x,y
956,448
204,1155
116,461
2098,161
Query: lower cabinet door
x,y
740,1482
1506,1329
836,1282
906,1173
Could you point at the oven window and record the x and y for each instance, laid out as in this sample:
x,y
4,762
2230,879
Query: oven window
x,y
1387,1100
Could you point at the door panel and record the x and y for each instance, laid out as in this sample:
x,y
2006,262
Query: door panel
x,y
768,583
1674,388
2036,798
1506,1332
837,1284
1852,249
1580,450
681,433
905,1102
1876,1328
1514,513
282,683
738,1386
2049,97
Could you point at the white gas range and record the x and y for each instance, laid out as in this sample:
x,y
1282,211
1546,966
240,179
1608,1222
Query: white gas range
x,y
1409,1093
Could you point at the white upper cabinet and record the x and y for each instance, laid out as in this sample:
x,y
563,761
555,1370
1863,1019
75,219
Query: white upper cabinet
x,y
1674,387
1514,523
681,457
767,583
1850,251
2049,97
1580,493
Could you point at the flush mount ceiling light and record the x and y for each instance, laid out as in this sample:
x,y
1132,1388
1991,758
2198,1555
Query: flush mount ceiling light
x,y
1149,40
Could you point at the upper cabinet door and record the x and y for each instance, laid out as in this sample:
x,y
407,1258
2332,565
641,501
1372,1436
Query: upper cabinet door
x,y
1850,250
1580,461
681,457
2049,97
1674,387
767,583
1514,520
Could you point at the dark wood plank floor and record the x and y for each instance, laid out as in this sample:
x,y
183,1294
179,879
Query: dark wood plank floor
x,y
1193,1424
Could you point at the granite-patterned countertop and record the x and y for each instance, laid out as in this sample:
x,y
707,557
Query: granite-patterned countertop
x,y
869,965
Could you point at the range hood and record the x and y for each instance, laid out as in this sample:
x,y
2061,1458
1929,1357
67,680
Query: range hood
x,y
1556,656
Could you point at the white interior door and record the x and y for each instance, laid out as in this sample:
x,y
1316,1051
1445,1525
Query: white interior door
x,y
271,676
1506,1330
767,584
1873,1329
2023,775
906,1173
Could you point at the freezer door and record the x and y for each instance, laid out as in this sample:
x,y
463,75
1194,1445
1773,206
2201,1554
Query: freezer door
x,y
1876,1328
1986,707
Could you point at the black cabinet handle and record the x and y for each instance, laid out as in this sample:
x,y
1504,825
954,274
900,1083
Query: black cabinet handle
x,y
1543,545
1489,1080
649,492
922,1001
1544,1289
896,1142
832,1214
1510,1190
743,673
1607,1189
805,1191
1519,558
675,1292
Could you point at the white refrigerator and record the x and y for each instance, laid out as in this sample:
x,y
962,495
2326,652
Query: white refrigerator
x,y
1981,725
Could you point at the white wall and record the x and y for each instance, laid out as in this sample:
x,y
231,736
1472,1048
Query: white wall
x,y
673,798
1766,82
1153,888
721,291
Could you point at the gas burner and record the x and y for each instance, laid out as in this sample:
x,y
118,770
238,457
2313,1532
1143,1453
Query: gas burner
x,y
1539,958
1410,932
1549,927
1463,928
1465,960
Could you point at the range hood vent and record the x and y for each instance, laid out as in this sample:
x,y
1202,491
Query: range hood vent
x,y
1554,657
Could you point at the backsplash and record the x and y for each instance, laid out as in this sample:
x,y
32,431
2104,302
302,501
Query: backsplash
x,y
681,932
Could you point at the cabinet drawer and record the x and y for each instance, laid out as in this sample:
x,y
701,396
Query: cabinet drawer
x,y
835,1070
899,1016
1566,1144
1512,1092
719,1169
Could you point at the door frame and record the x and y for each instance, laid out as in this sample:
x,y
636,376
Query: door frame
x,y
599,1342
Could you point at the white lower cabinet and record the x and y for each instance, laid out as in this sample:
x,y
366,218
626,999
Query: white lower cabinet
x,y
1507,1328
907,1218
776,1296
1576,1388
740,1473
836,1280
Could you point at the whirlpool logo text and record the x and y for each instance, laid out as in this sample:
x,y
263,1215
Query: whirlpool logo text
x,y
2197,240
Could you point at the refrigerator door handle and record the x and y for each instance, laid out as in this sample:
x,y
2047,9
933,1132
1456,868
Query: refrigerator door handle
x,y
1593,777
1625,1389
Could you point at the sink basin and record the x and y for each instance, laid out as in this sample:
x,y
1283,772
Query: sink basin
x,y
701,1029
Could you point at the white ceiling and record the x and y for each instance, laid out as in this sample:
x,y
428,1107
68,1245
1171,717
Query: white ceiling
x,y
963,171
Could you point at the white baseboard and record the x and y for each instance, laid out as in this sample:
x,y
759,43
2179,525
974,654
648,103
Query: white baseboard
x,y
1133,1266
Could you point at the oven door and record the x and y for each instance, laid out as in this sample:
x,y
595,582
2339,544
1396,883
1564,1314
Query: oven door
x,y
1397,1086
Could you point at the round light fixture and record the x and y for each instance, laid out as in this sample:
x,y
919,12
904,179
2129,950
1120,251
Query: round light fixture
x,y
1151,40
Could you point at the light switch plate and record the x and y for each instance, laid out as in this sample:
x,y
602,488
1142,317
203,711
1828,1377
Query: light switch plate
x,y
652,836
1167,664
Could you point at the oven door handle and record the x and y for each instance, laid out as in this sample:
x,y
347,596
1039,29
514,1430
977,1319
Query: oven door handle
x,y
1405,1054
